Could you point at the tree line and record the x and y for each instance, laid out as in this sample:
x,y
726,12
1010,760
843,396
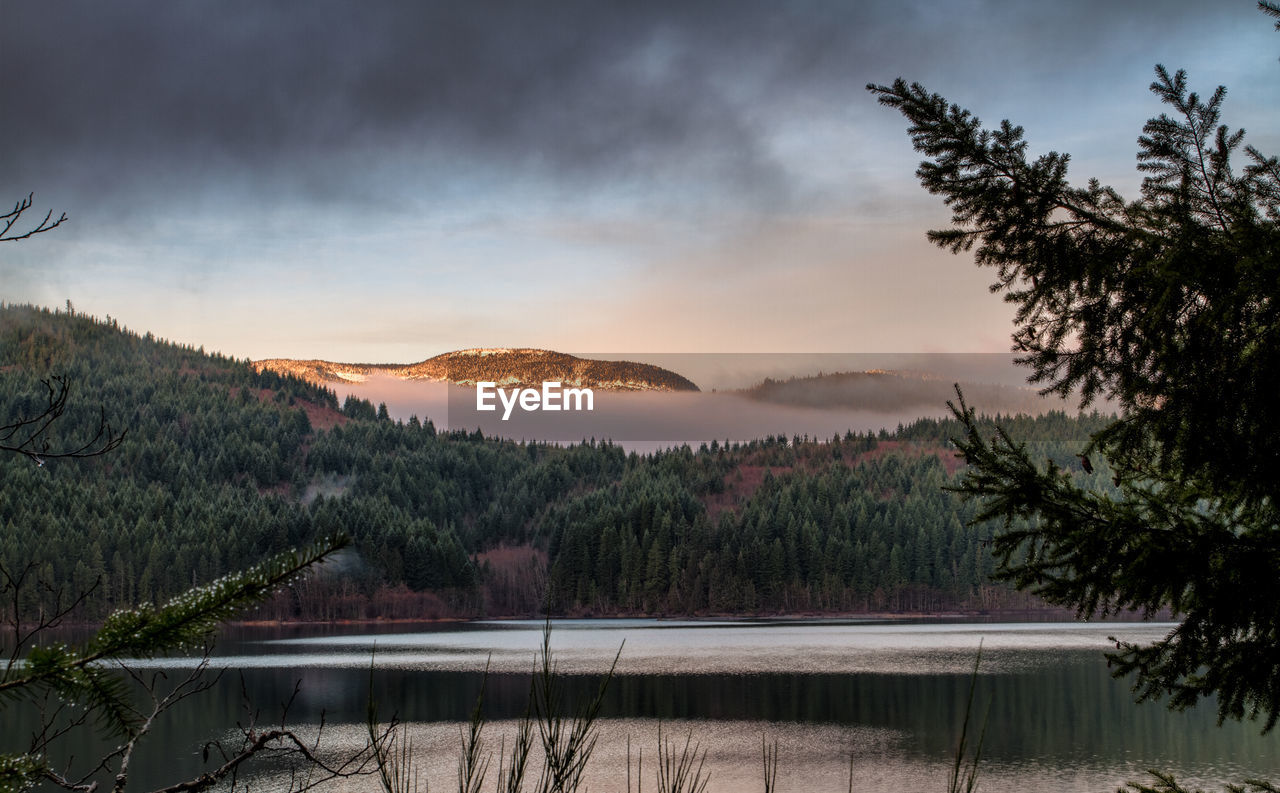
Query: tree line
x,y
222,466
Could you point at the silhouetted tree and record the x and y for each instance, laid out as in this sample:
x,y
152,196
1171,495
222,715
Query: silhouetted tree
x,y
1169,304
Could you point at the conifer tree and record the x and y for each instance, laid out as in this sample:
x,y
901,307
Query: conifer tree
x,y
1168,305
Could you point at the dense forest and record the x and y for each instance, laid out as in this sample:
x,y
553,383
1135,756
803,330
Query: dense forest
x,y
222,465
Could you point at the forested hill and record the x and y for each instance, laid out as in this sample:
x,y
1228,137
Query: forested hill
x,y
521,368
222,465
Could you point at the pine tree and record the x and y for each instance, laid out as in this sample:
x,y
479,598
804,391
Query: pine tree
x,y
1168,305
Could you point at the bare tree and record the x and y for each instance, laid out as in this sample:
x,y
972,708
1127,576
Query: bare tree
x,y
28,435
93,684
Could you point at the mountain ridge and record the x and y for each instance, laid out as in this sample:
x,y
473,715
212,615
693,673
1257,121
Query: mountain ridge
x,y
519,367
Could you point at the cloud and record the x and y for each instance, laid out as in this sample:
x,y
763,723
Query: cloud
x,y
320,97
632,172
337,101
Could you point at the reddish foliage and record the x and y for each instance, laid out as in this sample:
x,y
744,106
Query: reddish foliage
x,y
322,417
519,557
742,482
515,580
282,489
739,487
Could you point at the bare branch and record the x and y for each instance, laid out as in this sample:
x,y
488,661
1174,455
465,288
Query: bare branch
x,y
192,684
28,435
10,218
13,583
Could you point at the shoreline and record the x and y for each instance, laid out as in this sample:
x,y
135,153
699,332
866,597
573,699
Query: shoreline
x,y
991,615
997,615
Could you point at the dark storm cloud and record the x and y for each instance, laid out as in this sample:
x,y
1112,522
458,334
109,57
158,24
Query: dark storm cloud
x,y
118,98
120,92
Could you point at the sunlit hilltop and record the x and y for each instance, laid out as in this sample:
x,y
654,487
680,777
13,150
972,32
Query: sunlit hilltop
x,y
508,367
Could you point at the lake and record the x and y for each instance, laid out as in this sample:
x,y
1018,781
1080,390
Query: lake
x,y
888,696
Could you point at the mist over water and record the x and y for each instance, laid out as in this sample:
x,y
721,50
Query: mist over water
x,y
637,421
742,397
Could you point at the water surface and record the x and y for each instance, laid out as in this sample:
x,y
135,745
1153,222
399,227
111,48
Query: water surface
x,y
887,695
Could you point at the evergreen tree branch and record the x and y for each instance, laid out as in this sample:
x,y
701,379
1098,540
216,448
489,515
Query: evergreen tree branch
x,y
1160,545
147,631
1270,9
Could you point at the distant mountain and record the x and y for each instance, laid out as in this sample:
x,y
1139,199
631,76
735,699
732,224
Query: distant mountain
x,y
894,391
509,368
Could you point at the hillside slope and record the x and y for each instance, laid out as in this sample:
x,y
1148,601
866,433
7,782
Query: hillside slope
x,y
223,464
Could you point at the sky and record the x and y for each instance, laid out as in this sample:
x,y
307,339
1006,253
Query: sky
x,y
386,181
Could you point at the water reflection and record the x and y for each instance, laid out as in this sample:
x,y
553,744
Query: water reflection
x,y
657,646
812,757
891,695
